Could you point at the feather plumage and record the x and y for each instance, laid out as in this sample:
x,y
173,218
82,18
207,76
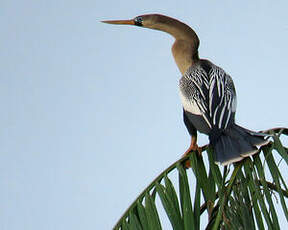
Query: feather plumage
x,y
206,90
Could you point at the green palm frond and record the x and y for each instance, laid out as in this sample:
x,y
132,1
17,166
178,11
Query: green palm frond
x,y
245,195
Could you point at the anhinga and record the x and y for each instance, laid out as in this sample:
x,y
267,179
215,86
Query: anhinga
x,y
207,93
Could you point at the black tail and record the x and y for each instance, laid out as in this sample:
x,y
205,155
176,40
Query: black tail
x,y
235,143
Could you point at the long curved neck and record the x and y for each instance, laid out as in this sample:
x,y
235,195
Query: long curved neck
x,y
185,47
177,29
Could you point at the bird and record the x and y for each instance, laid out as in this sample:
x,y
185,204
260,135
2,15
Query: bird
x,y
207,94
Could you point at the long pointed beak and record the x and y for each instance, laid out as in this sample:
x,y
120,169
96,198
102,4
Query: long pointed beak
x,y
120,22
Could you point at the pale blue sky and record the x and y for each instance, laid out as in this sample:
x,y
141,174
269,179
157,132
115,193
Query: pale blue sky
x,y
91,113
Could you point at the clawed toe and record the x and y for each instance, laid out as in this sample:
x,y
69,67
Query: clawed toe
x,y
194,148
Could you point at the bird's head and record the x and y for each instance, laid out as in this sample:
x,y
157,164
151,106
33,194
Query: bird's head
x,y
152,21
177,29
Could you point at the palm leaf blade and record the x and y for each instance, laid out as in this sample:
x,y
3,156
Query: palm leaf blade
x,y
185,199
152,214
174,217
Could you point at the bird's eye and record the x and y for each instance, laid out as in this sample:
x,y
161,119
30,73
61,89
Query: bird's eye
x,y
138,21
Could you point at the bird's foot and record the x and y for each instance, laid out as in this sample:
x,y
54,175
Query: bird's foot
x,y
192,148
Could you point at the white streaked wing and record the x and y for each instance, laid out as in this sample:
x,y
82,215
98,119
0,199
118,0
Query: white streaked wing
x,y
224,97
211,95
